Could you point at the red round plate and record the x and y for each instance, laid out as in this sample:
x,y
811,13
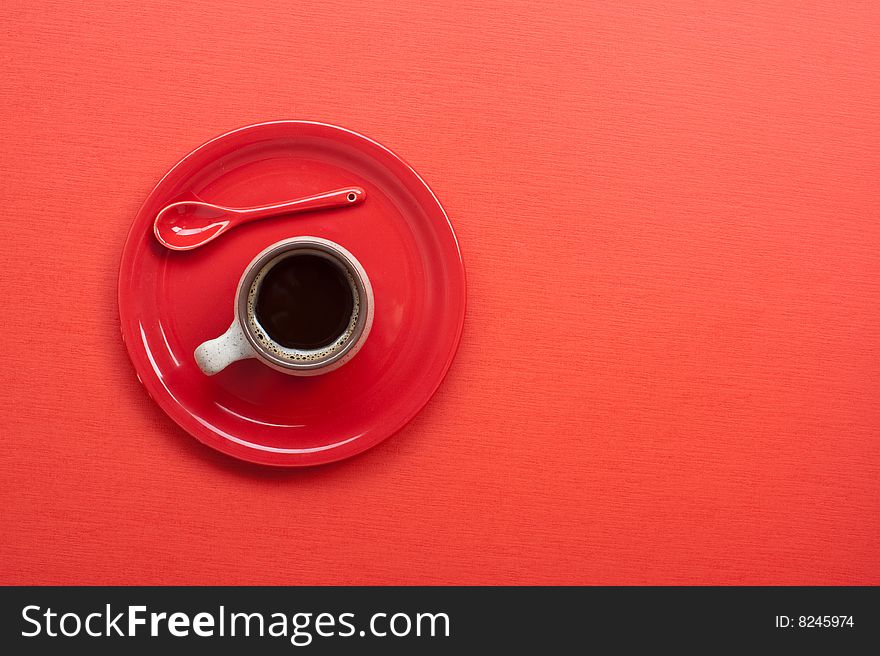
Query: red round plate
x,y
170,302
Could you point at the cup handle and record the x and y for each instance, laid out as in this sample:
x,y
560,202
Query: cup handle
x,y
216,354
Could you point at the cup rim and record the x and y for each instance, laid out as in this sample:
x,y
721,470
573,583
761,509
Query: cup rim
x,y
341,256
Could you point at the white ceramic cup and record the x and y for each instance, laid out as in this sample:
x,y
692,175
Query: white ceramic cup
x,y
246,338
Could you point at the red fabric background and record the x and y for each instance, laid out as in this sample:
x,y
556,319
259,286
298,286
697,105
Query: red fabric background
x,y
670,369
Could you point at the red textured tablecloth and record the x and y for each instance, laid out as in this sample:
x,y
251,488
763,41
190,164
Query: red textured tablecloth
x,y
670,368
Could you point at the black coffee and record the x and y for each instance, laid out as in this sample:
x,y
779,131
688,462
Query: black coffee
x,y
304,302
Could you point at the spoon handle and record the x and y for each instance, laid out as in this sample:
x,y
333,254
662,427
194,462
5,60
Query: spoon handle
x,y
337,198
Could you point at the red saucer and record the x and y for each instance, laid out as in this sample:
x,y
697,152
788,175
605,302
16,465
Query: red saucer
x,y
170,302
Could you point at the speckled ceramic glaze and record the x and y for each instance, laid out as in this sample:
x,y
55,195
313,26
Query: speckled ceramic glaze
x,y
245,338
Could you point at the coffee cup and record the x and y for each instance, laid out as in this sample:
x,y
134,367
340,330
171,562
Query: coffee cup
x,y
303,306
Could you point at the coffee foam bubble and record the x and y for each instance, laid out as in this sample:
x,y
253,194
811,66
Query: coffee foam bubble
x,y
298,355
